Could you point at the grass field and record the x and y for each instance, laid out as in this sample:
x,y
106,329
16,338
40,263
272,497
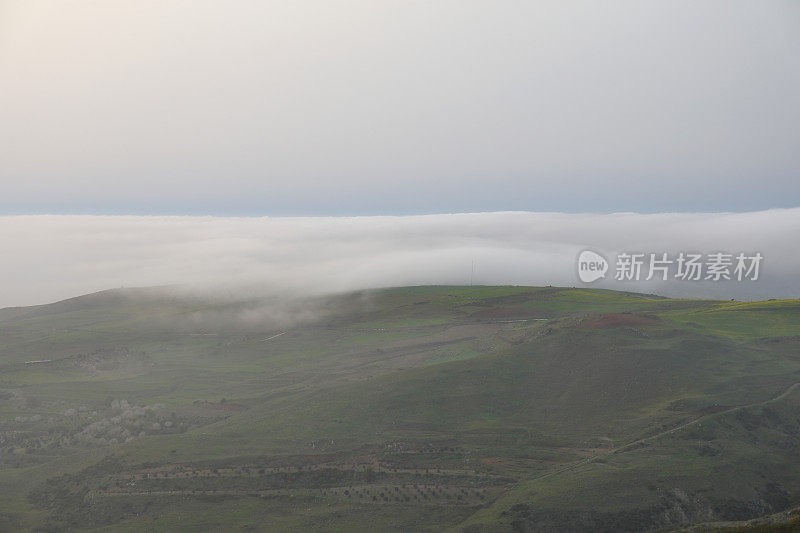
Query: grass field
x,y
405,409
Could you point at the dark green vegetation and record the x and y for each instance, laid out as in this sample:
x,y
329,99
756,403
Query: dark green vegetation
x,y
424,408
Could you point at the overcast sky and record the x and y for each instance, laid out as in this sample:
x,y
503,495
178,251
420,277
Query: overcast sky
x,y
398,107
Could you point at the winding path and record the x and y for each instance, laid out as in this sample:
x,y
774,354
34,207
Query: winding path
x,y
630,445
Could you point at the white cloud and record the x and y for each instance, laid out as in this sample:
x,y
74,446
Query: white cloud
x,y
47,258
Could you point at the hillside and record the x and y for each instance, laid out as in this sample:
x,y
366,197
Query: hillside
x,y
417,408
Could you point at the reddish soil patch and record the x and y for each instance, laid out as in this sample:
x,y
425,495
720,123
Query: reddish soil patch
x,y
616,320
508,312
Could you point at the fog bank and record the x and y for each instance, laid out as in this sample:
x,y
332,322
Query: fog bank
x,y
47,258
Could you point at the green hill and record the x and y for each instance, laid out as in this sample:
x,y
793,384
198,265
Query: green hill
x,y
419,408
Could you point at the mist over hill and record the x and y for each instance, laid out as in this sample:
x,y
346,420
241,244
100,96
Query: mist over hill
x,y
54,257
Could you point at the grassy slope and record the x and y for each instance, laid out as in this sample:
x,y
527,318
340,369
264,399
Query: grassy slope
x,y
533,408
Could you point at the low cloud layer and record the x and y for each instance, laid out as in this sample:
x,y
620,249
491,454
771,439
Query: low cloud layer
x,y
47,258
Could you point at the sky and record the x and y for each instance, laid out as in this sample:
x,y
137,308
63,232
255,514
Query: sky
x,y
342,108
334,145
